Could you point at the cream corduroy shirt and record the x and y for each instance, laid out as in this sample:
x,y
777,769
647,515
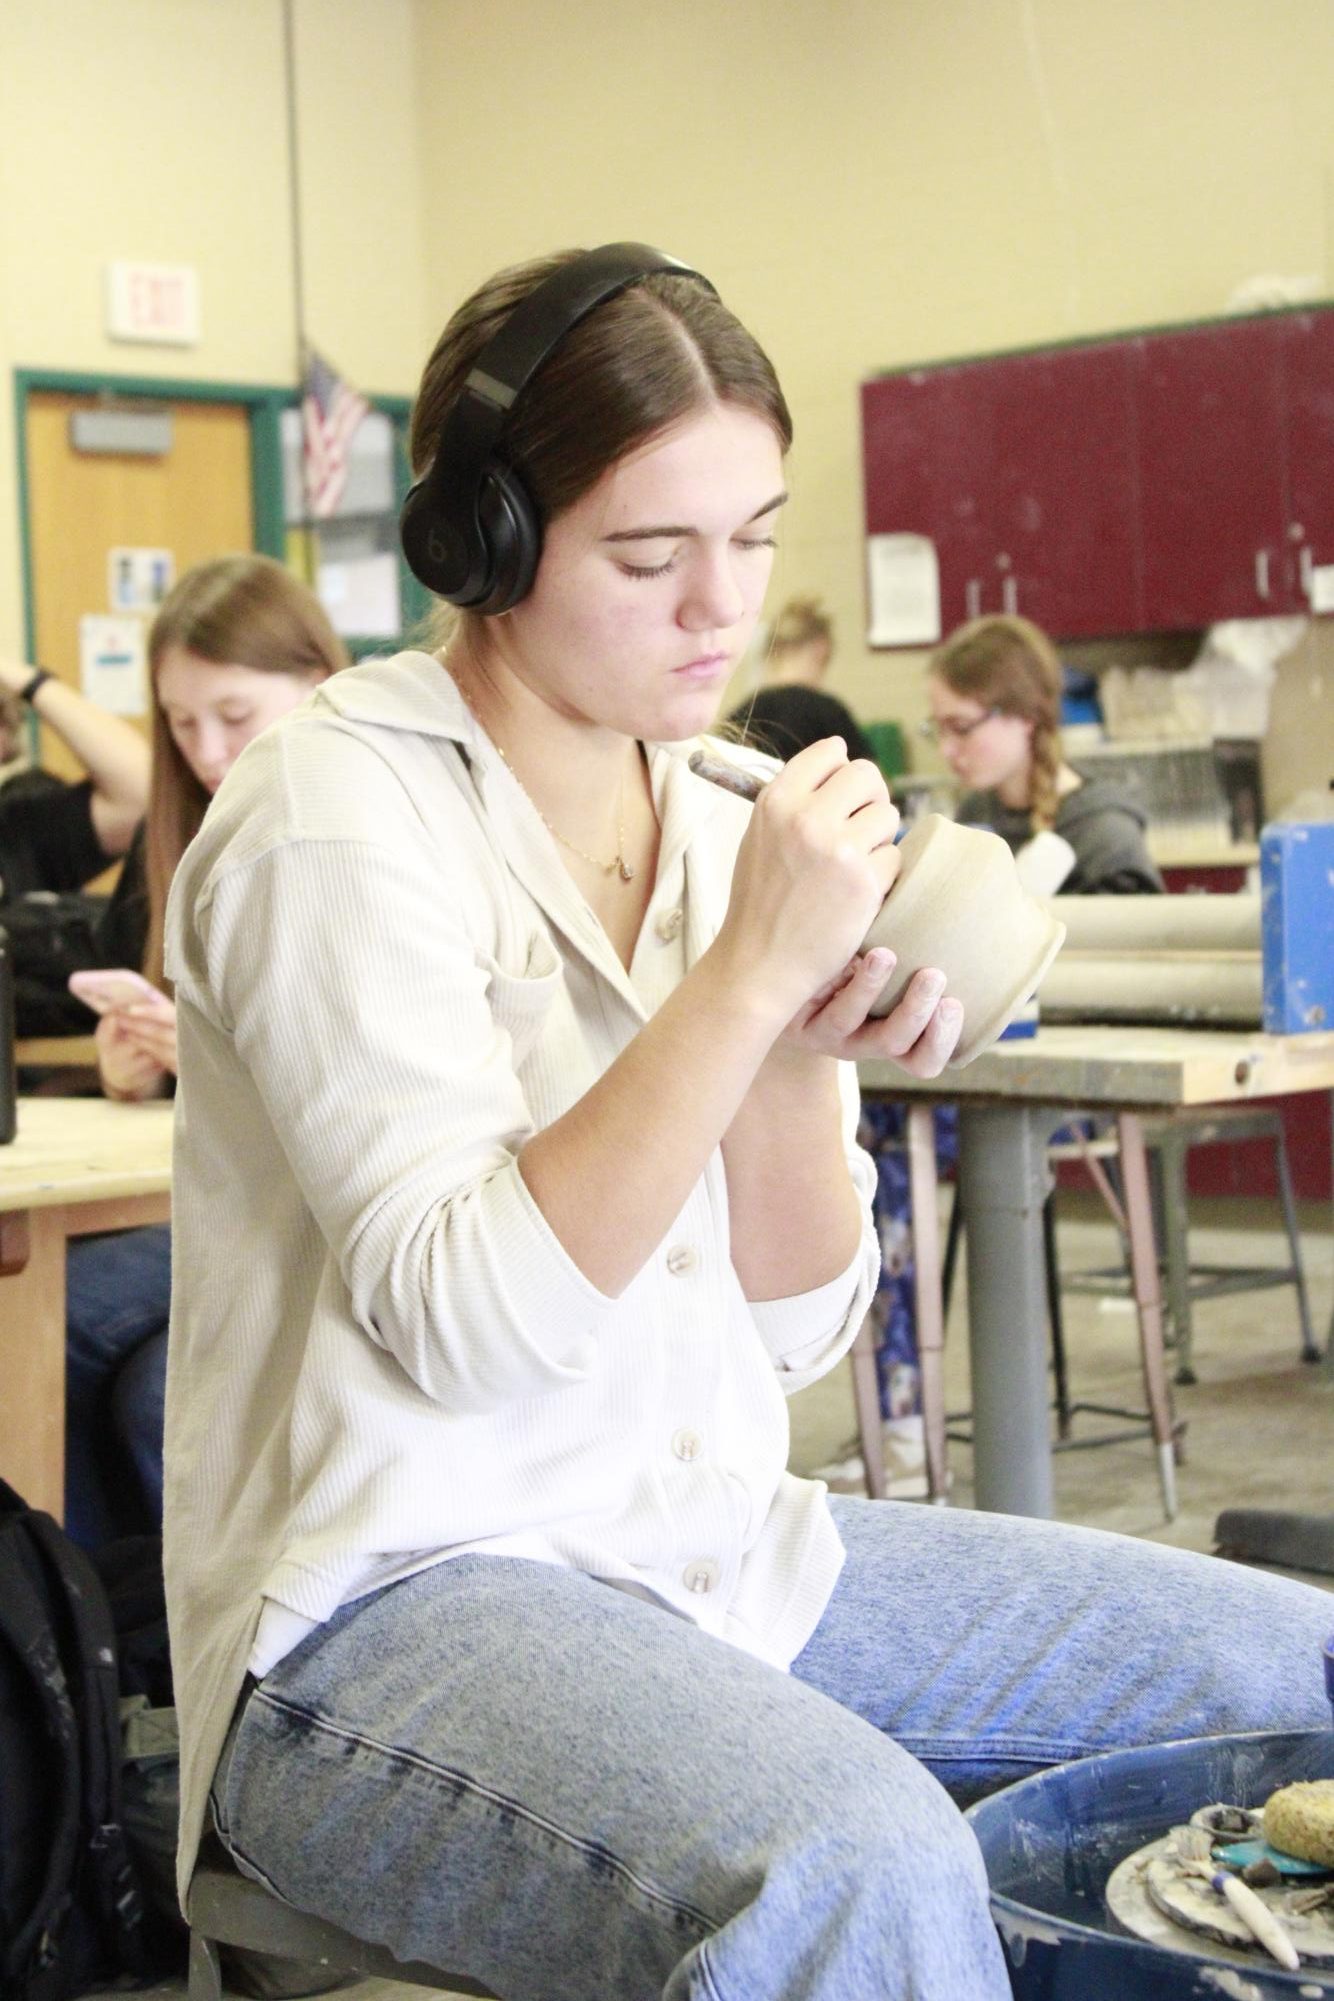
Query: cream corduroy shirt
x,y
380,1354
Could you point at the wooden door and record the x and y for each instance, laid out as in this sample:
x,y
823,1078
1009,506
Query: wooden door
x,y
1063,505
1212,473
194,500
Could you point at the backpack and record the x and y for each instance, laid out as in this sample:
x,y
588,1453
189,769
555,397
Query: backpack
x,y
131,1571
70,1906
50,937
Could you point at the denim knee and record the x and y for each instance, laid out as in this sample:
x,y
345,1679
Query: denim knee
x,y
138,1397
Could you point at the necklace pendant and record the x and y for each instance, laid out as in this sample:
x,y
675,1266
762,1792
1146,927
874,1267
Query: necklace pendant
x,y
627,874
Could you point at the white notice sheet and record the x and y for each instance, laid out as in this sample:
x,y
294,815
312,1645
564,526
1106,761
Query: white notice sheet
x,y
903,577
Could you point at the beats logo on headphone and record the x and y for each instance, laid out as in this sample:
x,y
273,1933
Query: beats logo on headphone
x,y
469,528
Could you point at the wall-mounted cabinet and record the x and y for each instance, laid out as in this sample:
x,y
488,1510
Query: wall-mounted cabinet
x,y
1158,481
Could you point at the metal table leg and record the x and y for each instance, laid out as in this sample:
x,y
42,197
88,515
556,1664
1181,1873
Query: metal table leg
x,y
866,1398
1003,1180
930,1310
1148,1300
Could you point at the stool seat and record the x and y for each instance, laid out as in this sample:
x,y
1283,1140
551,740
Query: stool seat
x,y
226,1908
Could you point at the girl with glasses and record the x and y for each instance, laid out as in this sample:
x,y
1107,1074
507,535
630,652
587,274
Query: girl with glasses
x,y
995,694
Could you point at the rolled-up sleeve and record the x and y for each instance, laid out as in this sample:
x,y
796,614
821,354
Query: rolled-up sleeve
x,y
806,1334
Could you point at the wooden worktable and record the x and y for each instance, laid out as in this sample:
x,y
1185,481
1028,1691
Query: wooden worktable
x,y
56,1052
78,1165
1120,1065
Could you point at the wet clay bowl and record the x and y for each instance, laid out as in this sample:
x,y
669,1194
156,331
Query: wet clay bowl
x,y
957,903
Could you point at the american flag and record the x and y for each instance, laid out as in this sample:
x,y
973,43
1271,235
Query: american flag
x,y
330,412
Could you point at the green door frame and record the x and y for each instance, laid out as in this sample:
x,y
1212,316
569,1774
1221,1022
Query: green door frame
x,y
265,405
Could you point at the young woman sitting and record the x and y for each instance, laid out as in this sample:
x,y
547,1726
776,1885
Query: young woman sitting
x,y
516,1188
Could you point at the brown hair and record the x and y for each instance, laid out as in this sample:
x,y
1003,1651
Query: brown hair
x,y
801,622
1009,664
646,357
245,611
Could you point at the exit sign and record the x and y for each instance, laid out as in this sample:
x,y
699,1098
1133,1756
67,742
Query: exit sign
x,y
153,302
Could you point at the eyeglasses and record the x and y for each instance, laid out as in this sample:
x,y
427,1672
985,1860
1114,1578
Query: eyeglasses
x,y
949,727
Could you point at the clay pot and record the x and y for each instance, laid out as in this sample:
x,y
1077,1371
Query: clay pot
x,y
957,903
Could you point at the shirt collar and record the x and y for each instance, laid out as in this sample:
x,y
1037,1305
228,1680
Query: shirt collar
x,y
407,691
413,691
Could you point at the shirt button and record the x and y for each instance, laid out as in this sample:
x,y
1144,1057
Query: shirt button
x,y
680,1258
701,1575
669,924
687,1444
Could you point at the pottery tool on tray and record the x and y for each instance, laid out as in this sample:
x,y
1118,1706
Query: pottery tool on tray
x,y
1218,1879
1194,1852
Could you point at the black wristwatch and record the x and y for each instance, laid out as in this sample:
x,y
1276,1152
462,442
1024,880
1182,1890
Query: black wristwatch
x,y
29,688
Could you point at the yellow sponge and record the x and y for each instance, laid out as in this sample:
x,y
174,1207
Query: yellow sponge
x,y
1300,1820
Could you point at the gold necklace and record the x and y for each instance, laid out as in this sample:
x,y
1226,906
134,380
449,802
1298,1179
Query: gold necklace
x,y
618,862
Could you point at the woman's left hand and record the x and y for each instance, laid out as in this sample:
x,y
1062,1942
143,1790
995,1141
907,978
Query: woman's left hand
x,y
919,1034
150,1027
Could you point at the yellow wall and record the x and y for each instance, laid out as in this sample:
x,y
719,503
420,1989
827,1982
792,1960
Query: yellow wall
x,y
872,182
156,130
868,181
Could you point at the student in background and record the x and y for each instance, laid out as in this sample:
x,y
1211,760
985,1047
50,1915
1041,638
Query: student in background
x,y
53,835
515,1186
791,709
237,643
995,693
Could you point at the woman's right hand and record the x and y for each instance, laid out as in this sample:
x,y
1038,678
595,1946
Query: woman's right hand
x,y
127,1069
812,871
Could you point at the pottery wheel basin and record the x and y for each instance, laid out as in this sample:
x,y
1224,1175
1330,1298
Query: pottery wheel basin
x,y
1051,1842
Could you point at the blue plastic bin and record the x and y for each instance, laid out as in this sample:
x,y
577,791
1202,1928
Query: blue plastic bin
x,y
1297,925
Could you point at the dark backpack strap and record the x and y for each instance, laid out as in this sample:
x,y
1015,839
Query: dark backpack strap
x,y
98,1706
25,1629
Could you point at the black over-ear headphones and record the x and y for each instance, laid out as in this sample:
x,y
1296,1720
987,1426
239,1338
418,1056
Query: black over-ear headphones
x,y
469,528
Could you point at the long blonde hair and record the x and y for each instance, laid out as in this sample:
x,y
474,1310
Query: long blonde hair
x,y
1009,664
245,611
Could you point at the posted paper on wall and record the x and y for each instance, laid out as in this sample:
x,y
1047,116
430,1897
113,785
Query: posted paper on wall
x,y
111,663
1320,588
139,579
903,579
361,596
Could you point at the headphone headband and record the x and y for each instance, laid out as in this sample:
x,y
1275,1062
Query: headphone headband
x,y
470,531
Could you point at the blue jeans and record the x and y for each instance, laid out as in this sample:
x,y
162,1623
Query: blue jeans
x,y
513,1771
117,1301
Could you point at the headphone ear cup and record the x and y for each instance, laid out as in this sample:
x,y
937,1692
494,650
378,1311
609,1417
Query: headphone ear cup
x,y
439,553
511,535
